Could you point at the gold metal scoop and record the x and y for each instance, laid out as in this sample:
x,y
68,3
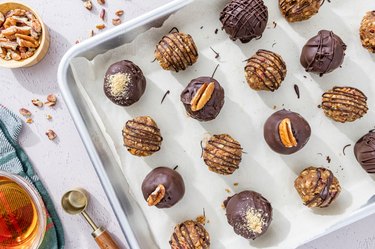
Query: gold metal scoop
x,y
75,202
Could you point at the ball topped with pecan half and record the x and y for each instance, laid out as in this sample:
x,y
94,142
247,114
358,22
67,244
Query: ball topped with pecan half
x,y
203,98
176,51
344,104
163,187
222,154
142,136
317,187
190,235
286,132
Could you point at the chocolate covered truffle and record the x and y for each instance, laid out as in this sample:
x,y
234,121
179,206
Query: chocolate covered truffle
x,y
176,51
222,154
286,132
124,83
323,53
367,31
344,104
163,187
299,10
364,151
244,19
190,235
142,136
203,98
249,213
265,71
317,187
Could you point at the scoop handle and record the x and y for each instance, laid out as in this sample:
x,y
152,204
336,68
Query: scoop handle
x,y
104,239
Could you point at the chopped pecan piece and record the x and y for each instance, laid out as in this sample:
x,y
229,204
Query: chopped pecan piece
x,y
5,43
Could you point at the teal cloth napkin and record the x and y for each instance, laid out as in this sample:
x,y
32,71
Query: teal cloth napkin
x,y
14,160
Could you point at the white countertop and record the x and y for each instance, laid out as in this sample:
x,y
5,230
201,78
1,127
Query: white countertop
x,y
64,164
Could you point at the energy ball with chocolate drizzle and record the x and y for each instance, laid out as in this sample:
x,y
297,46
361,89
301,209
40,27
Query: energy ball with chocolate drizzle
x,y
176,51
249,213
163,187
190,235
367,31
286,132
323,53
344,104
203,98
124,83
142,136
222,154
317,187
299,10
244,19
265,71
364,151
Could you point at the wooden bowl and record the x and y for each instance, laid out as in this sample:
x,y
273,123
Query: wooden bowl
x,y
44,39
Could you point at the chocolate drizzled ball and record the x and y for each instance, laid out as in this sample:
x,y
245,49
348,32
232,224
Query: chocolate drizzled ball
x,y
176,51
190,235
265,71
367,31
142,136
344,104
163,187
203,98
299,10
222,154
364,151
323,53
286,132
249,213
124,83
244,19
317,187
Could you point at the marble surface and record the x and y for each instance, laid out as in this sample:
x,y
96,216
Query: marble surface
x,y
63,164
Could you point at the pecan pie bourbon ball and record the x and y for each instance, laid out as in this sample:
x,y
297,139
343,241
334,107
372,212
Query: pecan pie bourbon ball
x,y
176,51
124,83
286,132
190,235
265,71
317,187
142,136
364,151
163,187
222,154
244,19
249,213
367,31
203,98
299,10
344,104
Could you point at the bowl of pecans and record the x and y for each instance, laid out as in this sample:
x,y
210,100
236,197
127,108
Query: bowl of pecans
x,y
24,39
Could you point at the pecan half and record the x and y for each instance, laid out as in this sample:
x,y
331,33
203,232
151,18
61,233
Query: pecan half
x,y
24,112
102,14
37,102
51,134
101,2
116,21
9,22
15,12
5,43
119,12
202,96
88,4
51,100
100,26
156,196
286,133
2,18
16,30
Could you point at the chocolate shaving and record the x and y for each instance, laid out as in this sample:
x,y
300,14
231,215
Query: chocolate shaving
x,y
217,55
305,76
153,60
274,44
216,30
201,27
319,106
320,154
165,95
328,159
175,167
343,149
175,29
213,74
274,24
202,149
296,89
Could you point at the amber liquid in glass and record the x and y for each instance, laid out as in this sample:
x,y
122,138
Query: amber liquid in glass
x,y
18,216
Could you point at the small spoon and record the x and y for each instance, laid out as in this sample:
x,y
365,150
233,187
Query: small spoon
x,y
75,202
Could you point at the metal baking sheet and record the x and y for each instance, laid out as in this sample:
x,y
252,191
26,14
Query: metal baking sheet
x,y
98,143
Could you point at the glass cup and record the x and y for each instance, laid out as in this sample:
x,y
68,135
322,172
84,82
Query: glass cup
x,y
23,215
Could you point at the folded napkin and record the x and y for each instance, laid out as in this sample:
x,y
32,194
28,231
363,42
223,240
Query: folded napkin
x,y
14,160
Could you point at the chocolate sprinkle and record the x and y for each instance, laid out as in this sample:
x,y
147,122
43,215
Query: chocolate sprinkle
x,y
175,167
328,159
165,95
343,149
216,30
217,55
296,89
